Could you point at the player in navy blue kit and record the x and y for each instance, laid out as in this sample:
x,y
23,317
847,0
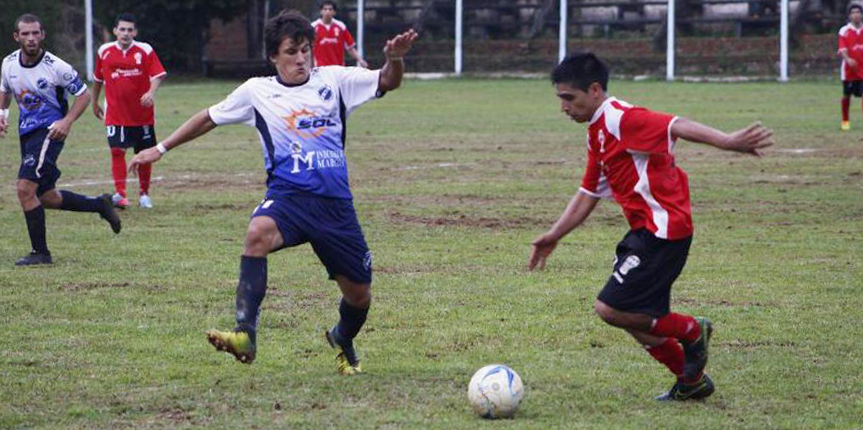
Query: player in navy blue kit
x,y
300,116
39,81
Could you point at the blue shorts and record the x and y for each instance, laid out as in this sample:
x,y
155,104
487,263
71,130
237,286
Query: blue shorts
x,y
330,225
39,160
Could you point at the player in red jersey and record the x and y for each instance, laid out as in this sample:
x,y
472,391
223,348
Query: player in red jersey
x,y
131,73
630,157
332,39
851,50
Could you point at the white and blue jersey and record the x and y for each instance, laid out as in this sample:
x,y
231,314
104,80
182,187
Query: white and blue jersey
x,y
40,89
302,127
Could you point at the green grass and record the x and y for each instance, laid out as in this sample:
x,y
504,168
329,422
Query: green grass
x,y
452,179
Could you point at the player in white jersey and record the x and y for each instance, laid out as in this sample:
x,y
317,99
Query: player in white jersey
x,y
39,81
300,116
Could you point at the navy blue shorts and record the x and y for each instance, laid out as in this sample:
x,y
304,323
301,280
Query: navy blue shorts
x,y
644,269
39,160
330,225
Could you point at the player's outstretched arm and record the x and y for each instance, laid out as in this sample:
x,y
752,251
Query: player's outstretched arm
x,y
749,140
576,212
395,50
194,127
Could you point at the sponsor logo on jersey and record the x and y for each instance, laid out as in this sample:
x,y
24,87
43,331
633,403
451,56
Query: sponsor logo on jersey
x,y
125,73
328,41
307,124
29,100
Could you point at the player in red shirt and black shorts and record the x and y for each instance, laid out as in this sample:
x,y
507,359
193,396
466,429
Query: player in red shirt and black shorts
x,y
332,39
851,50
630,158
131,73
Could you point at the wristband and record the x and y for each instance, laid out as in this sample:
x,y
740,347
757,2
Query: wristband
x,y
4,113
161,148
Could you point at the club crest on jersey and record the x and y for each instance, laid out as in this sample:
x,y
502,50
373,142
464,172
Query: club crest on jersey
x,y
601,138
307,124
42,83
137,58
326,93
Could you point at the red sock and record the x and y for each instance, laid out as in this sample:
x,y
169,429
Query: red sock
x,y
846,105
118,169
669,353
144,176
678,326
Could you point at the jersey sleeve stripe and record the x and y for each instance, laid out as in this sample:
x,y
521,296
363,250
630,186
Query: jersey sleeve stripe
x,y
158,76
671,142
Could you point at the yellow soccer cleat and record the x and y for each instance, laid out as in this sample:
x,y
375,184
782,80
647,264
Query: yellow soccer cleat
x,y
238,343
846,125
347,362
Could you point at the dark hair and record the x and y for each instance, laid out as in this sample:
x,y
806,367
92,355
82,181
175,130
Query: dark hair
x,y
855,6
27,17
581,69
329,3
128,17
287,24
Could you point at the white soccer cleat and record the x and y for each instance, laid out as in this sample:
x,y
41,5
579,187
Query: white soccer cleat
x,y
145,203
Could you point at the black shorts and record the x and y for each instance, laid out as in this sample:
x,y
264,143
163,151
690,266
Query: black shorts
x,y
39,160
644,269
139,138
854,88
330,225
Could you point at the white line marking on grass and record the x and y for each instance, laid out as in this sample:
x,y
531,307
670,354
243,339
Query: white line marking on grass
x,y
433,166
796,150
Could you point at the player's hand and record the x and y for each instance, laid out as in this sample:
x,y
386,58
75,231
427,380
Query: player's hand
x,y
362,63
98,111
750,140
398,46
4,125
147,156
59,130
147,99
851,62
543,246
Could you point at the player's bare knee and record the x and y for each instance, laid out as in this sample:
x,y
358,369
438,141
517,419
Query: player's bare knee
x,y
26,192
606,313
357,295
257,241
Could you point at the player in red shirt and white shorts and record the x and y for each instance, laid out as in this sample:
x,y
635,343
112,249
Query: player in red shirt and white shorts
x,y
851,50
630,158
332,39
131,73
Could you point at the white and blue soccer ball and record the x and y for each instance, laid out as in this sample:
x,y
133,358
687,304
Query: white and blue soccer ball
x,y
495,391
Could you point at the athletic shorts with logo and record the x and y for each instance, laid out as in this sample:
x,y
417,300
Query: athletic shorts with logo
x,y
854,88
329,225
139,138
644,269
39,159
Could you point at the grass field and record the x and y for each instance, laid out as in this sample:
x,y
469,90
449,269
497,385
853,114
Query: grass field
x,y
452,180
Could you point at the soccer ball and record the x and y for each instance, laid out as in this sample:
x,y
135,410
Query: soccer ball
x,y
495,391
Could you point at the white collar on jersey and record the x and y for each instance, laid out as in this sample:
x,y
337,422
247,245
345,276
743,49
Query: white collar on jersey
x,y
601,109
120,47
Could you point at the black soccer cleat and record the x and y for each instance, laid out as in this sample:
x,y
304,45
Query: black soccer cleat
x,y
682,392
34,258
696,352
108,213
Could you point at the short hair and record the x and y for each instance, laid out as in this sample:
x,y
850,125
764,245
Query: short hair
x,y
287,24
329,3
855,6
580,70
128,17
27,17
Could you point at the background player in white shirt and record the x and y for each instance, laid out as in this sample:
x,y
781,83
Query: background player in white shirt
x,y
300,116
39,81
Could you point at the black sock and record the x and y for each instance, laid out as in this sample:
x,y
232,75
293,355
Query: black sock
x,y
351,321
36,227
251,290
78,203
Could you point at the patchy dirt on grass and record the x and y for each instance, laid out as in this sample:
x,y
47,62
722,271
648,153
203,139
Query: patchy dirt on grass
x,y
467,221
